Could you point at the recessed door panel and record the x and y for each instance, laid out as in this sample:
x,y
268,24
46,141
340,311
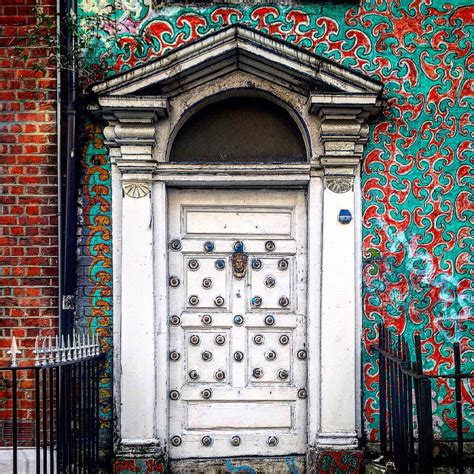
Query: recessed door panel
x,y
237,266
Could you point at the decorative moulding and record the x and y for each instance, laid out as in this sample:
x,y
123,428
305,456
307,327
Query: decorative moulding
x,y
339,185
132,102
136,190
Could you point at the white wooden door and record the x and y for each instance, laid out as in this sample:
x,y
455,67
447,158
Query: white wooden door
x,y
237,327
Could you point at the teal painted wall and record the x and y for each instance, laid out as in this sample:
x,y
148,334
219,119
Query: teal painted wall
x,y
417,171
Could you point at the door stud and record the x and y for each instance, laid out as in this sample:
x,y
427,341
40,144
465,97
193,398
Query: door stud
x,y
238,356
193,300
302,393
219,301
219,339
272,441
219,375
194,339
174,282
269,320
271,355
284,339
193,375
256,264
283,265
258,339
206,319
193,265
206,393
206,441
175,245
283,374
256,301
257,373
174,395
235,441
176,441
175,320
238,320
175,356
301,354
206,356
270,246
219,264
209,246
283,301
270,282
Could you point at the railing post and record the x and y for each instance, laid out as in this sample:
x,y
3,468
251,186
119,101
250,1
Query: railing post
x,y
383,392
458,394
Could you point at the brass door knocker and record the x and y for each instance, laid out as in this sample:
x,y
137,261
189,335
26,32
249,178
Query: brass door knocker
x,y
239,260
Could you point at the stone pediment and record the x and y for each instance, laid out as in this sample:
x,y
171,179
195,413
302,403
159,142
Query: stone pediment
x,y
234,48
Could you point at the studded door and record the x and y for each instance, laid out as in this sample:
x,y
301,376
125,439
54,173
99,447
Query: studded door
x,y
237,285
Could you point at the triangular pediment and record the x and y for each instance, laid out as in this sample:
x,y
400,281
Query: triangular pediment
x,y
234,48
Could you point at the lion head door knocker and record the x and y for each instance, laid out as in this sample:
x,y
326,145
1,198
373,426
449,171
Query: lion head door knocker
x,y
239,260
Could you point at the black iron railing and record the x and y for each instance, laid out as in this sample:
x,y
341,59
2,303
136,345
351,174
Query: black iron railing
x,y
406,418
66,404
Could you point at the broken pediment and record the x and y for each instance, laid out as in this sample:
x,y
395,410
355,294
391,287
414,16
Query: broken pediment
x,y
242,48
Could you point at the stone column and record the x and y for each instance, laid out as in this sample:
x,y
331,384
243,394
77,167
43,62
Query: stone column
x,y
343,134
130,135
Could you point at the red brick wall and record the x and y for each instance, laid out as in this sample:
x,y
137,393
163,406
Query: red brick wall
x,y
28,190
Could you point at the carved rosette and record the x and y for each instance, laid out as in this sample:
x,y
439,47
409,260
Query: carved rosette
x,y
339,185
136,190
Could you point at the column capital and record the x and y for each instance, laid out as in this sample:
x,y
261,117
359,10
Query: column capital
x,y
130,131
343,134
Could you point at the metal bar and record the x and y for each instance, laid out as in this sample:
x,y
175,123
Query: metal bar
x,y
89,417
96,413
59,460
15,420
411,437
51,421
402,410
44,384
393,401
81,415
67,397
427,428
37,422
383,394
74,416
458,394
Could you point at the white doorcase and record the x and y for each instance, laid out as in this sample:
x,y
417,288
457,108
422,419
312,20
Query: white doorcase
x,y
237,322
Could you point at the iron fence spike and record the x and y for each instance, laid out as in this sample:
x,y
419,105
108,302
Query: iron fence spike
x,y
69,348
44,351
88,345
58,356
63,349
83,346
13,352
77,345
50,350
36,352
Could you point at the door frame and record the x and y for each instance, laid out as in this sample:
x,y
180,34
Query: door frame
x,y
141,223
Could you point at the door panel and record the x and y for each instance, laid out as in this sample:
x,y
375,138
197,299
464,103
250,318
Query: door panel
x,y
237,336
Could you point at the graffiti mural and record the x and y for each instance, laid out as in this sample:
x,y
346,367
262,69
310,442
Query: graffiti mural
x,y
417,172
95,257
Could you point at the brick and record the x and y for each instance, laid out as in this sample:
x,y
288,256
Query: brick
x,y
28,192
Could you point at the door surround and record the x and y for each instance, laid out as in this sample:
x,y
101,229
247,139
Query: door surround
x,y
331,105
